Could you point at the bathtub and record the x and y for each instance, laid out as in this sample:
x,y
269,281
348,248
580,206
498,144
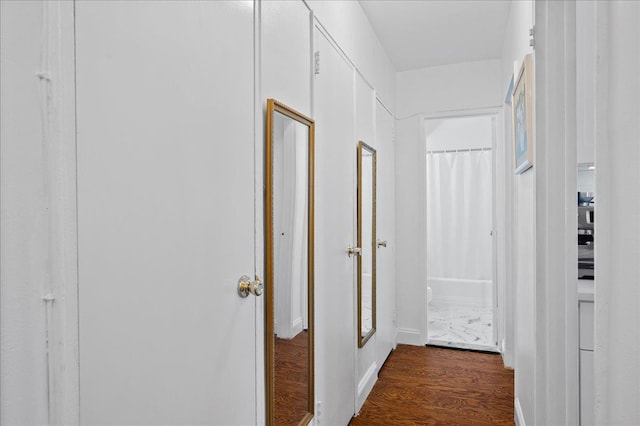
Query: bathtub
x,y
476,293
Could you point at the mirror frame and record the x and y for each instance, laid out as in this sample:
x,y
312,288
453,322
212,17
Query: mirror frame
x,y
274,106
362,340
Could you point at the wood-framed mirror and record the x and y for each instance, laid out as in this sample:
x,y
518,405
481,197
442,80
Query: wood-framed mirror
x,y
289,260
367,242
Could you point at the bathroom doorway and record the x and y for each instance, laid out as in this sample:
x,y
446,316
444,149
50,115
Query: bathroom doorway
x,y
461,295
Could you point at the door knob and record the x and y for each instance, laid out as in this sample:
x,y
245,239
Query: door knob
x,y
382,243
246,286
354,250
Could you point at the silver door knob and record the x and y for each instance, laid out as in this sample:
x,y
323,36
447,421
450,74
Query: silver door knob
x,y
382,243
246,286
354,250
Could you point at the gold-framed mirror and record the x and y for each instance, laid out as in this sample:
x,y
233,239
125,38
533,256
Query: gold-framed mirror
x,y
367,242
289,259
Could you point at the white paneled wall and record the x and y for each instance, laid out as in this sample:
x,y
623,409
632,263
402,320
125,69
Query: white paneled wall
x,y
282,47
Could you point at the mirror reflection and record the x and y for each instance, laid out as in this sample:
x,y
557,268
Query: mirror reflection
x,y
586,220
366,241
289,252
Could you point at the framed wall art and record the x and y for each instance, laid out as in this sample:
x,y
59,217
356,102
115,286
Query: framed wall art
x,y
522,107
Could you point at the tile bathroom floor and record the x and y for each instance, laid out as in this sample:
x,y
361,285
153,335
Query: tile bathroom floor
x,y
460,325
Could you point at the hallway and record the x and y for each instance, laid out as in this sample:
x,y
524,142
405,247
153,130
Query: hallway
x,y
428,385
183,181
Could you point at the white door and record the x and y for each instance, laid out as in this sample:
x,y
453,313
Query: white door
x,y
385,223
335,171
166,212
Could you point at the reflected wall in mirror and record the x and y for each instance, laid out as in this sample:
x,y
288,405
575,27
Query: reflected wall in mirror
x,y
289,266
367,242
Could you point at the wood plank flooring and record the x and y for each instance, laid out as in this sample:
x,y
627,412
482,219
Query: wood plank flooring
x,y
435,386
291,379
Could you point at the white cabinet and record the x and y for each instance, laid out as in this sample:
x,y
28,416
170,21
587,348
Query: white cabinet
x,y
586,388
586,363
586,325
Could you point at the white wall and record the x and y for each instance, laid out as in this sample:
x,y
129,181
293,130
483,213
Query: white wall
x,y
438,91
519,231
459,133
465,86
285,41
617,297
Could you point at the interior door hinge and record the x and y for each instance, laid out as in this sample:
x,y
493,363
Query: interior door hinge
x,y
316,62
532,37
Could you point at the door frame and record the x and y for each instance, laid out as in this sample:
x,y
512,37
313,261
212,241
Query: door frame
x,y
498,308
259,131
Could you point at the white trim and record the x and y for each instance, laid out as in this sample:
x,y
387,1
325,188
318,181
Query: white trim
x,y
57,81
508,233
409,336
422,197
366,385
381,102
325,33
519,416
297,327
497,286
555,354
259,123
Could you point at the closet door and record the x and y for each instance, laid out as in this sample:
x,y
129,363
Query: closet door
x,y
366,366
335,173
166,212
385,284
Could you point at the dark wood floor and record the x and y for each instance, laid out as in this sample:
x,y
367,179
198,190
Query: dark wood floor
x,y
435,386
291,379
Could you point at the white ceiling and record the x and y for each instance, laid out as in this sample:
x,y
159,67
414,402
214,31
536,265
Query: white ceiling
x,y
427,33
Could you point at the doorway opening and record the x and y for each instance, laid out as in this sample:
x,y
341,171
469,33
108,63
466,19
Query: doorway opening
x,y
461,294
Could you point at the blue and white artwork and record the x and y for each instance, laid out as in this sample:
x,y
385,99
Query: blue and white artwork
x,y
521,142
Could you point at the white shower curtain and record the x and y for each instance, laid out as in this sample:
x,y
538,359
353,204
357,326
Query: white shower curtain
x,y
459,195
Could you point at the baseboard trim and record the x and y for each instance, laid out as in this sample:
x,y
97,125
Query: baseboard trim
x,y
519,416
297,326
409,336
366,384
